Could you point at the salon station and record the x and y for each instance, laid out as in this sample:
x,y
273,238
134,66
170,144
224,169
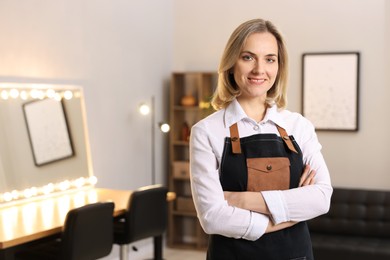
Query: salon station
x,y
46,174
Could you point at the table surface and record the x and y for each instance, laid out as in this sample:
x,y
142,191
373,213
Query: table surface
x,y
43,217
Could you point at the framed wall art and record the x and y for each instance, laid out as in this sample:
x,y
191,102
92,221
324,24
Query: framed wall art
x,y
331,90
48,131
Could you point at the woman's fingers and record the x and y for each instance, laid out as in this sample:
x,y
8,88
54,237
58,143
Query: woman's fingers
x,y
307,177
304,174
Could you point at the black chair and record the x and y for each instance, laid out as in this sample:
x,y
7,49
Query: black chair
x,y
87,235
146,216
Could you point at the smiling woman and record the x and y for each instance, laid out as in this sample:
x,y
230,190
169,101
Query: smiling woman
x,y
19,174
256,167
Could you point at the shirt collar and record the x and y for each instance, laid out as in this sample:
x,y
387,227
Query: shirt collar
x,y
234,113
273,114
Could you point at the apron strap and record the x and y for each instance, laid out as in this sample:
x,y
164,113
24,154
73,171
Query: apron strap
x,y
236,145
286,139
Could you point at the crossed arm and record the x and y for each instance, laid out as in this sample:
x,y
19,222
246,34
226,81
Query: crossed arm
x,y
254,201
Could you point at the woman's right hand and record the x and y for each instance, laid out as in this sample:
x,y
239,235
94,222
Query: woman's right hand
x,y
272,227
307,177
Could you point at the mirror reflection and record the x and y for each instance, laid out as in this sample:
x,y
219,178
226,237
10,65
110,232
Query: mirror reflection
x,y
20,175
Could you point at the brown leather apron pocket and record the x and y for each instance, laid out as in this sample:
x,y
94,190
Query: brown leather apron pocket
x,y
271,173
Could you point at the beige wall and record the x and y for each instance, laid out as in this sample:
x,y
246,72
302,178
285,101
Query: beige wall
x,y
119,51
357,159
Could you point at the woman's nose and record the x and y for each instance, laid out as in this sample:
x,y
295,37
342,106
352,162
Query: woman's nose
x,y
258,68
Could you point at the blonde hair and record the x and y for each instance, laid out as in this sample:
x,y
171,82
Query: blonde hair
x,y
227,88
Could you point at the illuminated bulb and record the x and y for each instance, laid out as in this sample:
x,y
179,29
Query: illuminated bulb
x,y
92,180
144,109
4,94
49,188
78,183
41,94
34,191
165,128
14,93
68,94
50,93
34,93
15,194
57,96
64,185
23,95
27,193
7,196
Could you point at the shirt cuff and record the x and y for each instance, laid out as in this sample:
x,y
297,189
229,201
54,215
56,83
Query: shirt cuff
x,y
257,226
276,205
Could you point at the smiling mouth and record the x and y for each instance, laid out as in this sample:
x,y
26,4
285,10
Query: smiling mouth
x,y
256,81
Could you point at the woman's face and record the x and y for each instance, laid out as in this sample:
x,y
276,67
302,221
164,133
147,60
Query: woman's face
x,y
257,66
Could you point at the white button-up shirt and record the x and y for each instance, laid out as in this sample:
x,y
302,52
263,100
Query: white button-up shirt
x,y
206,150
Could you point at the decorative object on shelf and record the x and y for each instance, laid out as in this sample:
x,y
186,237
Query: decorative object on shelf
x,y
185,132
205,104
145,109
331,90
188,101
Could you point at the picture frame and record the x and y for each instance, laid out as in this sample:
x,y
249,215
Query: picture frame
x,y
330,95
48,131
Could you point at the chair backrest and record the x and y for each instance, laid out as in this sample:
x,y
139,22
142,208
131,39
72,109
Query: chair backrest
x,y
147,213
88,232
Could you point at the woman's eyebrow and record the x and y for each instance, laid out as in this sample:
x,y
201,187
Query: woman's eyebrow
x,y
254,54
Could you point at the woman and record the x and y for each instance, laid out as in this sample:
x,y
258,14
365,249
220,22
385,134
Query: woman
x,y
257,172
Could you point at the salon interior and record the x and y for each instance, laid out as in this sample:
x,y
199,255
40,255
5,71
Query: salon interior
x,y
103,59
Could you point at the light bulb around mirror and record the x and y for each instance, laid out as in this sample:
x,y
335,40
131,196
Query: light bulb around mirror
x,y
14,93
4,94
50,93
23,95
68,94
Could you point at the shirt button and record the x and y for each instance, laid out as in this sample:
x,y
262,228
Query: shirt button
x,y
256,127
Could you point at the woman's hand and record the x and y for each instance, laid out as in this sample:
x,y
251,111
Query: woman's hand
x,y
247,200
272,227
307,177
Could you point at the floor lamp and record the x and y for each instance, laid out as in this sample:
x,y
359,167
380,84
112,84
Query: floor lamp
x,y
146,109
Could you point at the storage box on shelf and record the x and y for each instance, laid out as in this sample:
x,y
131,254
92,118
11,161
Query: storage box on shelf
x,y
190,95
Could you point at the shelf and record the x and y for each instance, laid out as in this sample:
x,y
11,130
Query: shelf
x,y
184,230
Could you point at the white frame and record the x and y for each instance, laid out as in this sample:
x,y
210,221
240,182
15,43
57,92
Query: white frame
x,y
330,96
48,131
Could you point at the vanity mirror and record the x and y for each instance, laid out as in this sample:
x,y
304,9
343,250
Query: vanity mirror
x,y
44,144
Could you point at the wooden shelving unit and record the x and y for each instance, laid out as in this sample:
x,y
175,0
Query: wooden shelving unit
x,y
190,94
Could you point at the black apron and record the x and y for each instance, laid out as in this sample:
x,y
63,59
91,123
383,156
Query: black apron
x,y
286,244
